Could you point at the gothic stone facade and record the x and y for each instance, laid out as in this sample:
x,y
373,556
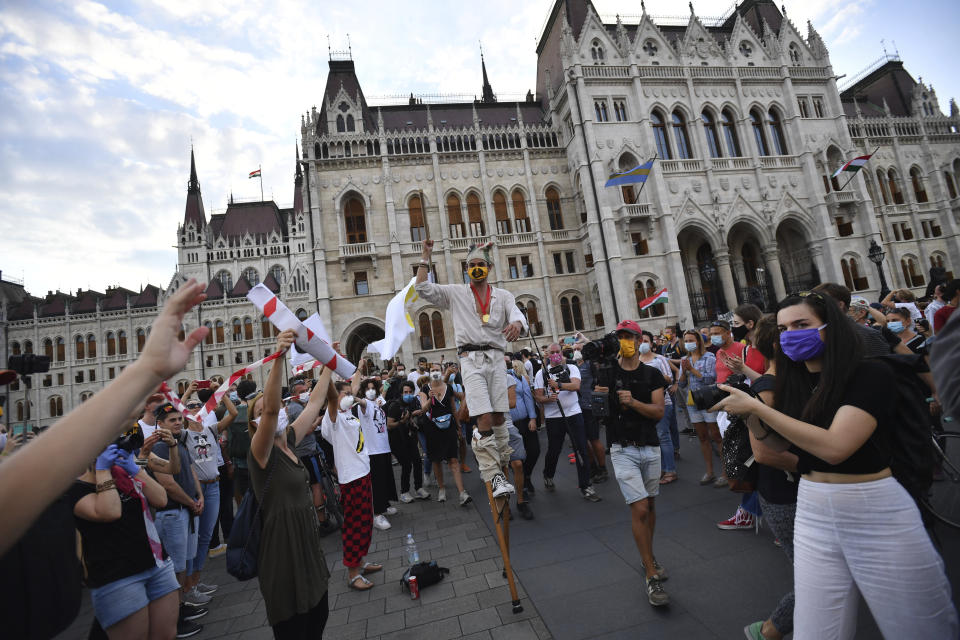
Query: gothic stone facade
x,y
743,114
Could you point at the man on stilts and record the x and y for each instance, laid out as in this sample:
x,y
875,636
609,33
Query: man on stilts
x,y
485,318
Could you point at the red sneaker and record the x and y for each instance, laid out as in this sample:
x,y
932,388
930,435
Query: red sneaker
x,y
740,520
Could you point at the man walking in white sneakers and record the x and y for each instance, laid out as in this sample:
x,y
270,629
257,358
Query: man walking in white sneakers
x,y
485,318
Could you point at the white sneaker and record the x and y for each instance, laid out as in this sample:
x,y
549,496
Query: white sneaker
x,y
442,495
422,494
381,522
391,511
465,498
406,498
501,487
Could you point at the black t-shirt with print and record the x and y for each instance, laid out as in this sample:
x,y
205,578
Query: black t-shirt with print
x,y
113,550
630,425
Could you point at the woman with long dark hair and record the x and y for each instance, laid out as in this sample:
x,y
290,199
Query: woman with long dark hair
x,y
857,530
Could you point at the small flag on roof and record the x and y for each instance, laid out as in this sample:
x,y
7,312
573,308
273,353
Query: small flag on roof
x,y
657,298
638,174
255,174
854,165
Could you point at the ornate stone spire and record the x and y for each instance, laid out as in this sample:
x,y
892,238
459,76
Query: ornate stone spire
x,y
487,94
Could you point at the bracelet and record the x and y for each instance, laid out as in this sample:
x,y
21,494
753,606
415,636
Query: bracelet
x,y
106,486
425,262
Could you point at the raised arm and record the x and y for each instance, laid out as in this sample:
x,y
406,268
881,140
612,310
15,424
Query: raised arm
x,y
262,442
229,416
305,422
82,434
423,269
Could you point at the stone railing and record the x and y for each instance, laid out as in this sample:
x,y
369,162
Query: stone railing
x,y
676,166
779,162
606,71
357,249
738,164
641,210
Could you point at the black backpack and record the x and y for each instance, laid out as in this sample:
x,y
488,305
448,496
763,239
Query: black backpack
x,y
426,573
912,456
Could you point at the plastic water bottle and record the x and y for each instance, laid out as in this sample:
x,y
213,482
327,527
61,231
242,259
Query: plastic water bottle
x,y
413,556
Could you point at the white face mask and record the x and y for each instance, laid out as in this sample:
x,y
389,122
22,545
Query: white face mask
x,y
644,347
305,397
435,375
371,394
346,402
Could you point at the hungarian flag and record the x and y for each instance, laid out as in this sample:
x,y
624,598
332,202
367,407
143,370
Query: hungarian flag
x,y
853,166
638,174
255,174
657,298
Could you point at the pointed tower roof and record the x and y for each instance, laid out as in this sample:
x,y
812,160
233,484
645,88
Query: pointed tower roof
x,y
487,95
194,210
298,184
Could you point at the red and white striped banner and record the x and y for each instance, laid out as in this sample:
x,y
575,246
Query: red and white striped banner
x,y
214,400
282,318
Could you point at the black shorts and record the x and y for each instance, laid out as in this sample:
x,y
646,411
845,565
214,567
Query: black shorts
x,y
591,425
442,444
312,463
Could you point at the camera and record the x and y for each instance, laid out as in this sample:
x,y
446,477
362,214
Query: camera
x,y
709,396
560,373
131,440
603,349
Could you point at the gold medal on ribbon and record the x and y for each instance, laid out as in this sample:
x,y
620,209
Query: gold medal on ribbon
x,y
486,318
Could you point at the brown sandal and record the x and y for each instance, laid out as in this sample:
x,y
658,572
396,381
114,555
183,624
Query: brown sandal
x,y
668,477
367,585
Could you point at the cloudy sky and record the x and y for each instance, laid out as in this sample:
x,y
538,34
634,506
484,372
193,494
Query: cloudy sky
x,y
99,102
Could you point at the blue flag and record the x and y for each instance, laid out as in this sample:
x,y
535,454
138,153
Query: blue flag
x,y
637,174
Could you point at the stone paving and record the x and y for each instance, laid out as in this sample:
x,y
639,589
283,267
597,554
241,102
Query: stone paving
x,y
577,566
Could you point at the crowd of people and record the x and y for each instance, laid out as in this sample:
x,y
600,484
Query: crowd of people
x,y
152,488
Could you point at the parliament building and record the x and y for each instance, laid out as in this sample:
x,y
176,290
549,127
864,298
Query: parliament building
x,y
743,115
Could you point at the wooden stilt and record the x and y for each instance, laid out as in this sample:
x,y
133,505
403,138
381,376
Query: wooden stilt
x,y
500,509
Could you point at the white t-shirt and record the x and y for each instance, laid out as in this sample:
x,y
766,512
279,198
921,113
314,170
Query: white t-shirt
x,y
345,436
205,451
661,363
148,429
374,424
528,367
415,375
210,420
569,400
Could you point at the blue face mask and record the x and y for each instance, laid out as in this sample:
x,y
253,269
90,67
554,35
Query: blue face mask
x,y
801,345
716,341
408,397
690,346
896,326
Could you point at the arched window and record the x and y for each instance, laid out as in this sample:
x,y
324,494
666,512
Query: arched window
x,y
500,211
247,329
278,274
142,339
56,406
680,135
554,213
209,338
48,348
252,276
728,124
426,335
21,414
301,314
237,330
418,231
436,321
91,346
455,217
267,328
847,278
111,344
881,180
28,347
533,318
596,52
660,135
919,191
756,123
122,342
951,187
218,330
350,125
895,193
341,125
355,221
15,349
776,132
859,282
566,316
79,351
226,280
475,216
520,211
911,275
710,129
577,313
795,58
61,350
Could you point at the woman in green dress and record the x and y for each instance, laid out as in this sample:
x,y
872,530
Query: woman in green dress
x,y
293,571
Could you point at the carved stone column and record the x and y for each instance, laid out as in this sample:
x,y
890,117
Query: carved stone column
x,y
726,278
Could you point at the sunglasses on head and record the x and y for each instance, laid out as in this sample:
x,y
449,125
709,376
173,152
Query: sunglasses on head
x,y
194,405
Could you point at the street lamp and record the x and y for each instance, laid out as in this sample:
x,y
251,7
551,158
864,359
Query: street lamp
x,y
876,255
709,272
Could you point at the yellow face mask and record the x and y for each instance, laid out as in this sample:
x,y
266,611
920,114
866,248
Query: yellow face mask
x,y
628,348
478,273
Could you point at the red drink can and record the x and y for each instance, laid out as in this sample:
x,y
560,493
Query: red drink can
x,y
414,588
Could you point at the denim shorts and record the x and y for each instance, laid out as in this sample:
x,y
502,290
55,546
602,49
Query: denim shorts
x,y
637,470
701,416
180,542
124,597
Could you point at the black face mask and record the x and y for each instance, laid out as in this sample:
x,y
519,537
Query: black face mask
x,y
739,333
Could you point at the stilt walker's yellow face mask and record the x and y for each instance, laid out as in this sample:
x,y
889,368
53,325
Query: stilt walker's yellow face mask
x,y
478,272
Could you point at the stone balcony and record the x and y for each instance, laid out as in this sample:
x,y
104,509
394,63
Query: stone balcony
x,y
357,250
636,211
840,197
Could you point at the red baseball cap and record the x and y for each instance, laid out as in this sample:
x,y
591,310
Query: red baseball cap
x,y
631,326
